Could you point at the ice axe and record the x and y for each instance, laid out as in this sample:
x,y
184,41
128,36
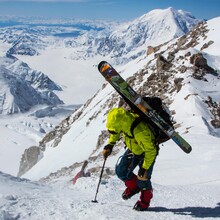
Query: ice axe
x,y
100,178
80,173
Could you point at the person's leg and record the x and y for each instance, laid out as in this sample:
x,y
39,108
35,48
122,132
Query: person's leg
x,y
124,170
146,192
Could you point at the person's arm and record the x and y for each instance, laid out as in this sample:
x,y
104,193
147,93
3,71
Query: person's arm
x,y
145,140
107,150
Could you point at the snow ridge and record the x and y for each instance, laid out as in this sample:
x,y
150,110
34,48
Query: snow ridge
x,y
22,88
173,75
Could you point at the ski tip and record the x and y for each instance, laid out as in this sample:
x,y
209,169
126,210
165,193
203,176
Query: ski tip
x,y
103,65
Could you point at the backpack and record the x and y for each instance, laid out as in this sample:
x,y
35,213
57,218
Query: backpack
x,y
157,105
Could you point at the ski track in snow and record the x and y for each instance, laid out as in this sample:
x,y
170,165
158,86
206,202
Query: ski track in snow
x,y
22,199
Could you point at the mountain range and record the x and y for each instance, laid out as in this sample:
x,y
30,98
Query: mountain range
x,y
166,53
181,72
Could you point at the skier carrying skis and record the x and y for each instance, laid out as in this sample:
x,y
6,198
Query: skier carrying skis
x,y
141,151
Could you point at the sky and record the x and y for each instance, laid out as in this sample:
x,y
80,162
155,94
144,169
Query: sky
x,y
105,9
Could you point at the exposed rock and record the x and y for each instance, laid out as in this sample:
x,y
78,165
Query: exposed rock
x,y
171,56
29,158
215,123
178,83
206,45
198,60
182,69
182,40
162,64
150,50
185,98
200,66
214,108
188,54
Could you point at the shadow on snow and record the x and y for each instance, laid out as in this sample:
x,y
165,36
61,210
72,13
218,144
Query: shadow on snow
x,y
198,212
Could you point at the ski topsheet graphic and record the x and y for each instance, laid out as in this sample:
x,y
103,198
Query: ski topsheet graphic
x,y
136,101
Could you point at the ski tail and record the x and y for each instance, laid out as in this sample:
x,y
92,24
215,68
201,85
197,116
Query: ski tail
x,y
181,142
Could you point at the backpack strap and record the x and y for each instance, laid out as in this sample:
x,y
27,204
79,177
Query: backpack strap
x,y
134,125
140,119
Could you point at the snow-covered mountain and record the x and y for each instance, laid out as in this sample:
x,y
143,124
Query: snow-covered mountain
x,y
67,52
22,88
123,41
183,71
29,108
130,40
68,43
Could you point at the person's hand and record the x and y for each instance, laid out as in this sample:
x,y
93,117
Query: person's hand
x,y
107,150
142,174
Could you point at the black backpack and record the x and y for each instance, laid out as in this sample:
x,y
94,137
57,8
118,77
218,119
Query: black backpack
x,y
156,104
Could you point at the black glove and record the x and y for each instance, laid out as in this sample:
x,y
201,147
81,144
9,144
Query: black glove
x,y
107,150
142,174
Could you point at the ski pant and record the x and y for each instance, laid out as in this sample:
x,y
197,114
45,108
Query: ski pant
x,y
126,165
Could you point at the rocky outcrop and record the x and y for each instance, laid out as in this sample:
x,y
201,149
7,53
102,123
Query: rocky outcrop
x,y
200,66
32,155
29,159
214,108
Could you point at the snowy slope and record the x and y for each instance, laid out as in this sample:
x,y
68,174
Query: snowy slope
x,y
13,145
193,119
185,186
68,52
29,200
21,131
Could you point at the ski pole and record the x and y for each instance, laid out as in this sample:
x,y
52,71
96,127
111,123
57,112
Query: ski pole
x,y
100,178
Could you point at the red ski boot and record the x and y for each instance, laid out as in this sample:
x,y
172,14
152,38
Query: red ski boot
x,y
132,188
144,202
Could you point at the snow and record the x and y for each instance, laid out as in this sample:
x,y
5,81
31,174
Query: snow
x,y
13,144
214,28
73,75
81,138
30,200
186,186
21,131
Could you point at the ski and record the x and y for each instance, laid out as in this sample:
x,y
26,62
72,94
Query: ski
x,y
136,102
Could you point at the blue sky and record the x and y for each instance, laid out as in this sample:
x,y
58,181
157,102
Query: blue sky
x,y
105,9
